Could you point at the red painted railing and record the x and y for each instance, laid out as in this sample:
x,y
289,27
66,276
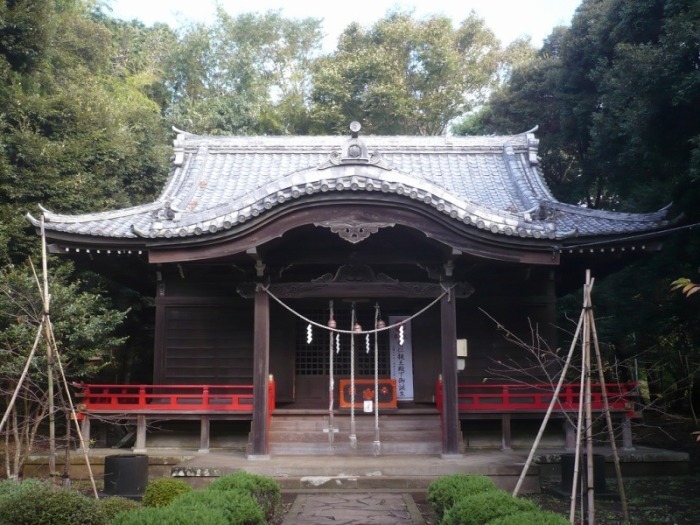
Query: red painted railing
x,y
536,397
170,398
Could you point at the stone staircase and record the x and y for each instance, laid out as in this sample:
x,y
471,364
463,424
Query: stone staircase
x,y
294,434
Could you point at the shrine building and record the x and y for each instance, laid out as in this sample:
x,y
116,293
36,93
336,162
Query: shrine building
x,y
361,283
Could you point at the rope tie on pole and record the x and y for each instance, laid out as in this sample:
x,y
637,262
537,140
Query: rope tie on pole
x,y
377,445
353,435
331,381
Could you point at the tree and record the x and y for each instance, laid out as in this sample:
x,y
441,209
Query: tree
x,y
405,76
246,74
84,325
78,130
617,100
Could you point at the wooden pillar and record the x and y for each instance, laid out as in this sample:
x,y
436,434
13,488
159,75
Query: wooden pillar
x,y
204,435
85,431
259,436
627,433
140,445
506,437
451,433
570,429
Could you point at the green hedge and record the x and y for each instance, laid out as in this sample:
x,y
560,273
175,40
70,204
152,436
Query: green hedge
x,y
115,504
265,490
482,508
533,517
446,490
172,516
239,507
36,503
163,491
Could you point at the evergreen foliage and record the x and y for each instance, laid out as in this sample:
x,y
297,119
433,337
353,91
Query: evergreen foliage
x,y
37,503
200,515
531,517
162,491
446,490
239,506
481,508
115,504
265,490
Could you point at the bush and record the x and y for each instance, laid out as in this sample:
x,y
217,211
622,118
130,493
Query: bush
x,y
446,490
162,491
239,507
266,491
482,508
114,505
532,517
171,516
8,486
36,503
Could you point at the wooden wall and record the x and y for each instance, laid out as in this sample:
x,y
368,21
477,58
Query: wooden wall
x,y
204,334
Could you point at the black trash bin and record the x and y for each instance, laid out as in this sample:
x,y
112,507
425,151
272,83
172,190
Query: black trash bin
x,y
126,475
567,472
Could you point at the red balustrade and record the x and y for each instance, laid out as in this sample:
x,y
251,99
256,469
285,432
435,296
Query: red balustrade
x,y
170,398
537,397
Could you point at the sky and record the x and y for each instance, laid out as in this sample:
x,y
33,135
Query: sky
x,y
508,19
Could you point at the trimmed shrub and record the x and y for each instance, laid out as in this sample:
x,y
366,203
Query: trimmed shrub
x,y
162,491
482,508
171,516
8,486
115,504
36,503
266,491
446,490
239,507
533,517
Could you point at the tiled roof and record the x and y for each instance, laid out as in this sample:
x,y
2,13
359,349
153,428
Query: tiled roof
x,y
492,183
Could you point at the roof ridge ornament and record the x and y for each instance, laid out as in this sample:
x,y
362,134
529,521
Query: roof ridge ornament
x,y
354,151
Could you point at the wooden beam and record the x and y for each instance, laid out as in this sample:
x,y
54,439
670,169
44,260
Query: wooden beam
x,y
357,209
451,433
259,436
357,289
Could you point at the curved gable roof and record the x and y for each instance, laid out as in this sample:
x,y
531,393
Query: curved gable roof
x,y
219,183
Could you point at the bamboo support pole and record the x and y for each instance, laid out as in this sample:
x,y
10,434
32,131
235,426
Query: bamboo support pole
x,y
608,421
590,487
49,355
577,449
23,376
555,396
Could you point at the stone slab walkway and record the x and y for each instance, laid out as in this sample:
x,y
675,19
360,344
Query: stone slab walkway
x,y
366,508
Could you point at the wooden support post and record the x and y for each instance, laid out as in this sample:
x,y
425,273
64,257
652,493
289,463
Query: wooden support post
x,y
259,436
570,430
85,431
506,436
451,432
626,424
140,445
204,435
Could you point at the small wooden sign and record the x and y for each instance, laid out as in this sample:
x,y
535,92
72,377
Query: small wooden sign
x,y
364,391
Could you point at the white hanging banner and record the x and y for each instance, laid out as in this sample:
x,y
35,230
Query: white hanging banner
x,y
401,357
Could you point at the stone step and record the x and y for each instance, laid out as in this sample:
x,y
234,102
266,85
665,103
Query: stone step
x,y
342,447
392,422
286,436
308,434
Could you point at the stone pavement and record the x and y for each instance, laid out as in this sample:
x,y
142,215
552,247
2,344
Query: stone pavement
x,y
351,508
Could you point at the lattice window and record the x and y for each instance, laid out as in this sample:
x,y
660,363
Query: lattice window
x,y
312,358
